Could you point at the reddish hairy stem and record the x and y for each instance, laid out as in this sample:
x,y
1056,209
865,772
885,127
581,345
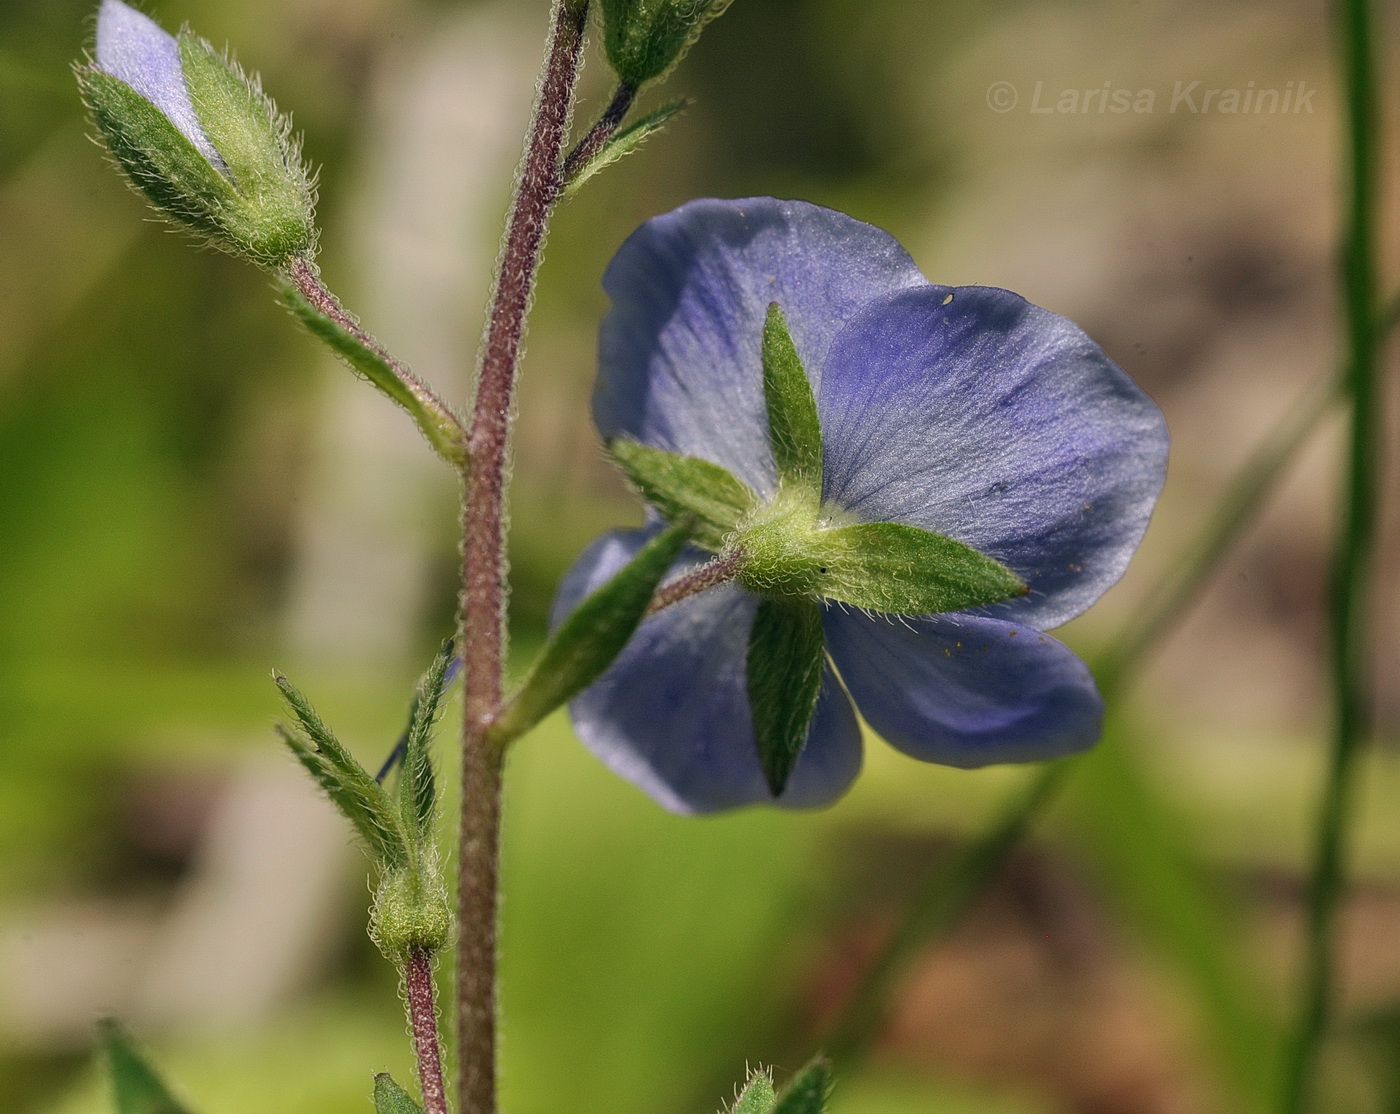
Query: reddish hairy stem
x,y
308,282
709,575
484,588
422,1016
600,132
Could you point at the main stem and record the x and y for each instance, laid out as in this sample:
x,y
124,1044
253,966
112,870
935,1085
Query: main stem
x,y
1354,570
484,587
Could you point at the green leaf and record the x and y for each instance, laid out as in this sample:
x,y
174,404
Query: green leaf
x,y
360,798
757,1096
685,485
589,639
793,426
807,1092
623,143
390,1098
136,1089
274,219
436,422
417,784
157,158
785,677
888,566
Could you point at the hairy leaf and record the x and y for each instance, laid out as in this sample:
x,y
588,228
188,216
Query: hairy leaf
x,y
685,485
593,635
793,425
785,677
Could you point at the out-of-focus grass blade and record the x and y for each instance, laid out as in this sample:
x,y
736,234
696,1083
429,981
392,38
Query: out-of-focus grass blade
x,y
1146,865
136,1089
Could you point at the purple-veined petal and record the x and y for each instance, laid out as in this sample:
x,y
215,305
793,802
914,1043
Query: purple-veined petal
x,y
971,412
134,48
679,353
963,690
672,714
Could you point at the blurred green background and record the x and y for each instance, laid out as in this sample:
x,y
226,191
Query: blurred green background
x,y
191,493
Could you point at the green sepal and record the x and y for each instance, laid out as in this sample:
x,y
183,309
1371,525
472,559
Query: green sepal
x,y
274,219
411,911
623,143
434,419
588,641
158,160
808,1091
785,659
644,39
793,427
678,486
390,1098
136,1089
757,1097
352,790
417,787
892,567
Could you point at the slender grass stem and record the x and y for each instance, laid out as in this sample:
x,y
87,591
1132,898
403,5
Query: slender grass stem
x,y
938,906
1354,567
422,1017
483,550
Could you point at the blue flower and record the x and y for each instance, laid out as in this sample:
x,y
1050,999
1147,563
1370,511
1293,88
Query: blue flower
x,y
964,411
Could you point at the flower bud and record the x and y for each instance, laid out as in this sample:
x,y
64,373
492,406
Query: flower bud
x,y
411,912
646,38
198,138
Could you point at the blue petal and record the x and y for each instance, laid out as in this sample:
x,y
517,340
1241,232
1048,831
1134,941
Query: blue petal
x,y
672,713
679,364
973,413
965,691
134,48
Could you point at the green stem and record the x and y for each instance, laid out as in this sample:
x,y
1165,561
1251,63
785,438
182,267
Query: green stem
x,y
1353,572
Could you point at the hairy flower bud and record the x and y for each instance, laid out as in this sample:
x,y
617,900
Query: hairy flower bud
x,y
646,38
198,138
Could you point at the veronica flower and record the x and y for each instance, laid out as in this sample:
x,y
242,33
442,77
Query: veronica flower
x,y
973,472
198,138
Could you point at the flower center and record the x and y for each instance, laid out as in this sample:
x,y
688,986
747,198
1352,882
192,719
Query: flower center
x,y
787,544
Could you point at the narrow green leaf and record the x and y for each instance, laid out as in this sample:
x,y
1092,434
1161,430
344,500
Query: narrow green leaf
x,y
785,677
434,419
807,1092
417,783
136,1089
390,1098
685,485
589,639
757,1097
623,143
360,798
793,425
888,566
